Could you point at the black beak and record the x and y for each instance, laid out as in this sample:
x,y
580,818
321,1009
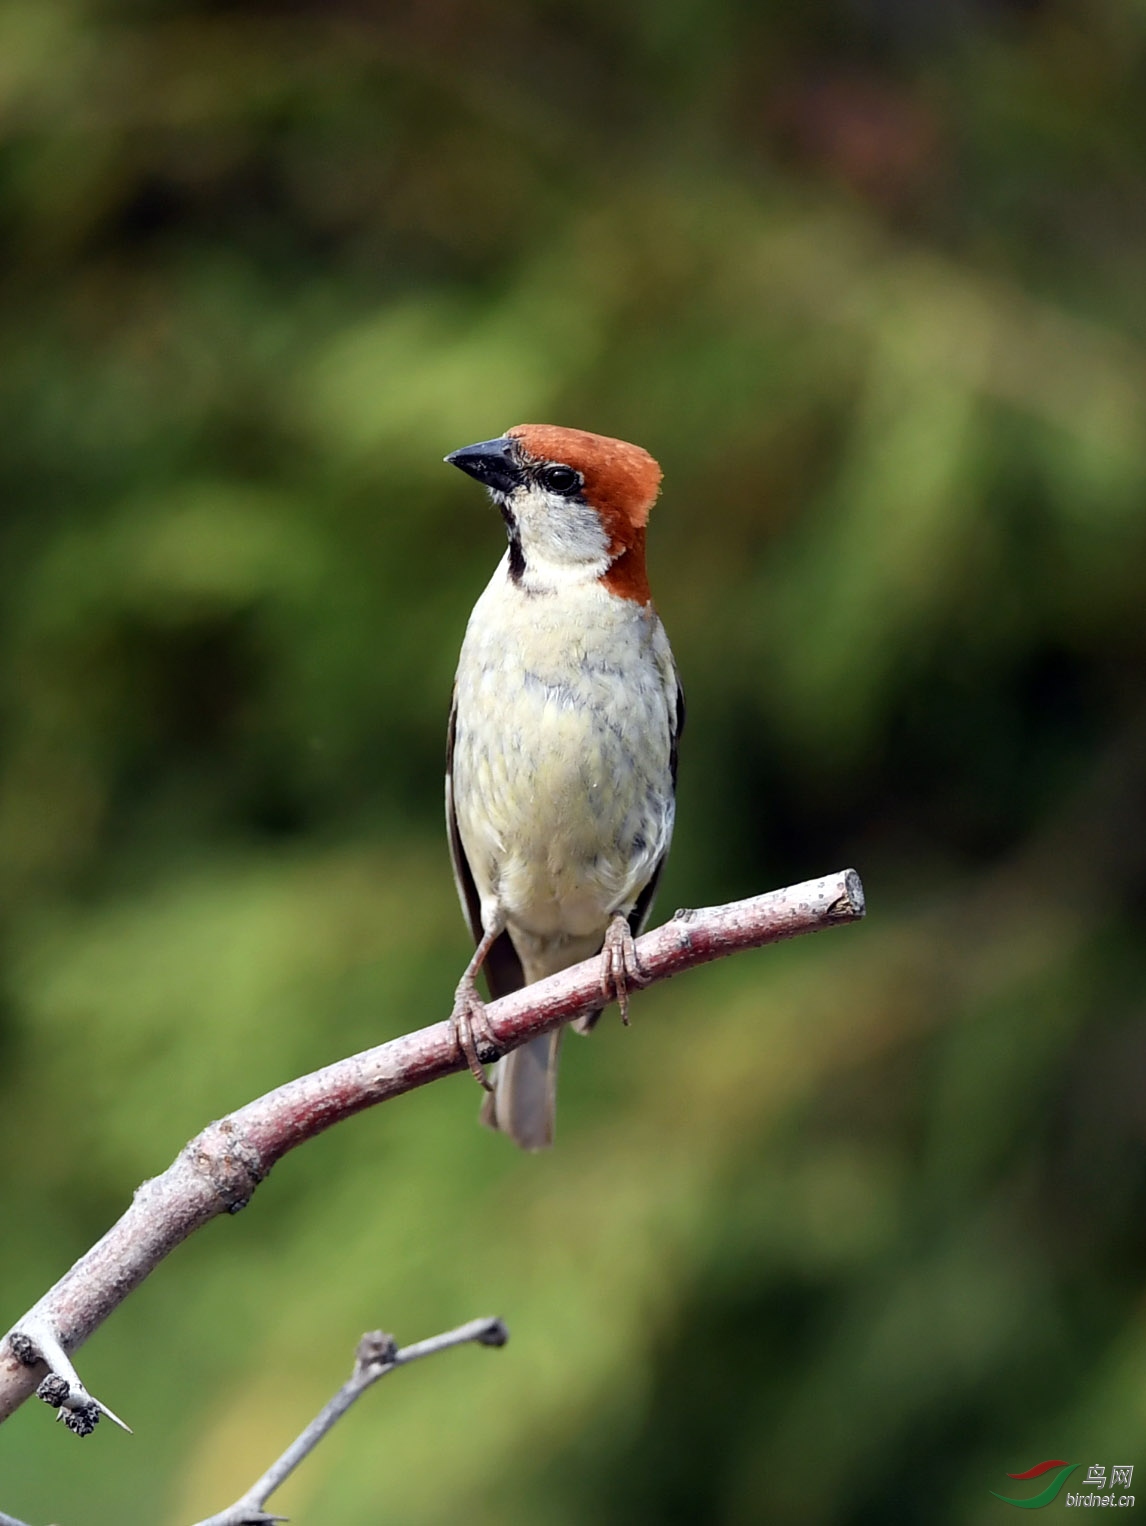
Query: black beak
x,y
492,462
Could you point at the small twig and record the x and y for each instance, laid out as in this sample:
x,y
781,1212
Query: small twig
x,y
35,1344
220,1168
377,1355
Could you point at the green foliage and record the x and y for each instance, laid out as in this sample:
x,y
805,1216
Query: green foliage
x,y
838,1233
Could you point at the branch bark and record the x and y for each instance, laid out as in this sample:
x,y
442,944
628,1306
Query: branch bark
x,y
219,1169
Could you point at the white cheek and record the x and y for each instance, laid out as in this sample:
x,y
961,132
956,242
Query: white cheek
x,y
556,531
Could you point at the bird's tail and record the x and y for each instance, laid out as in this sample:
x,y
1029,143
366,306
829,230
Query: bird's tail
x,y
523,1103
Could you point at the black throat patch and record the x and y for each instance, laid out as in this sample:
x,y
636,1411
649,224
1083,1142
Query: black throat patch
x,y
516,555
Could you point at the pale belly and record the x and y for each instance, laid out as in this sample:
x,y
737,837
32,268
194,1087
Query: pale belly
x,y
562,779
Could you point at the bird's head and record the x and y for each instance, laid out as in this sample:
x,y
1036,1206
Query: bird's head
x,y
575,505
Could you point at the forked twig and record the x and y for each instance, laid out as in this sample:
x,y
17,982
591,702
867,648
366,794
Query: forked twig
x,y
376,1356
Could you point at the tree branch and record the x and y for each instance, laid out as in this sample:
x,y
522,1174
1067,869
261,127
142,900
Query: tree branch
x,y
220,1168
377,1355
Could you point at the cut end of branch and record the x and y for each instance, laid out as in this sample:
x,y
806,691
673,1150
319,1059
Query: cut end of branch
x,y
852,904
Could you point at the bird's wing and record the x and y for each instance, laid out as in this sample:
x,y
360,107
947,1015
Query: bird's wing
x,y
503,972
643,906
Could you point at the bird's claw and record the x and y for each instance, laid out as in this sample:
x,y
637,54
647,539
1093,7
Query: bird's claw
x,y
620,966
472,1032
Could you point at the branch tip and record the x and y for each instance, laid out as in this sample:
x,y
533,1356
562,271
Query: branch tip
x,y
113,1417
496,1333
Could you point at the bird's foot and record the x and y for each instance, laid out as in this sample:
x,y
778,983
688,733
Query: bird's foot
x,y
620,966
472,1032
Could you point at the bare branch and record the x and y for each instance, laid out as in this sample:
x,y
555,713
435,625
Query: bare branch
x,y
377,1355
220,1168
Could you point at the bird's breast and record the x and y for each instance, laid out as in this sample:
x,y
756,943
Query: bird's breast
x,y
561,771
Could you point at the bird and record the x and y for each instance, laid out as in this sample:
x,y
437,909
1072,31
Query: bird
x,y
562,744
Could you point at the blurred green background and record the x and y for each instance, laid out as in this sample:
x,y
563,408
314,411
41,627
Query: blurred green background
x,y
839,1232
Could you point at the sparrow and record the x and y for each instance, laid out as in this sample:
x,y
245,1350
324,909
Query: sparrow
x,y
562,747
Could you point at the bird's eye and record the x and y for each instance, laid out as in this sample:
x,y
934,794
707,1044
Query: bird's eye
x,y
560,479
